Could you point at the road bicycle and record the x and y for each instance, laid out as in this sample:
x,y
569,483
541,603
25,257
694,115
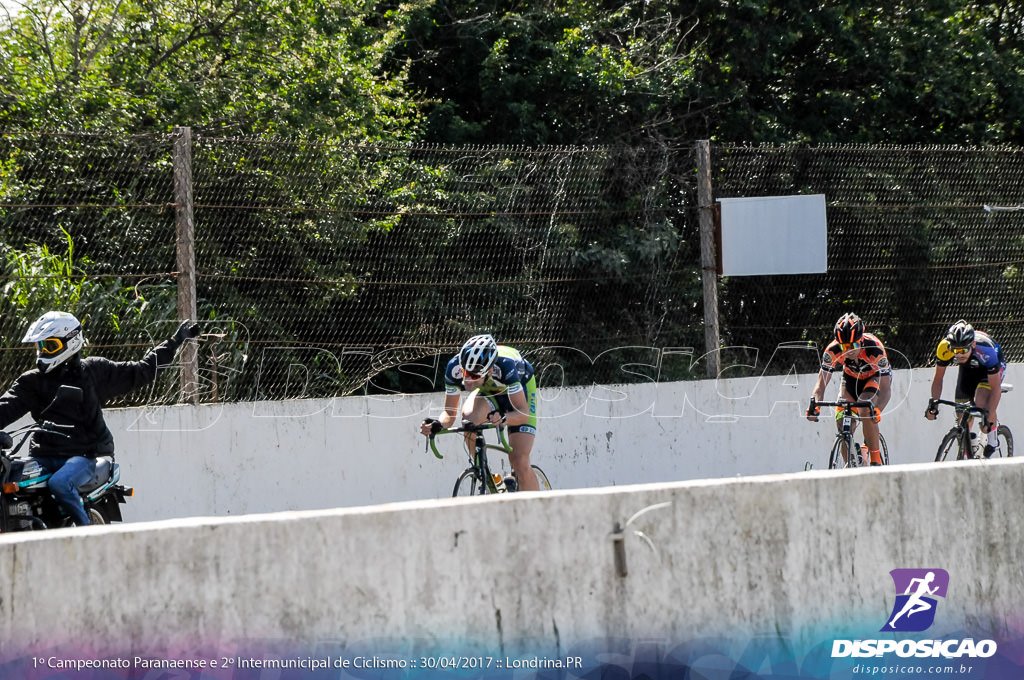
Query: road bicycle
x,y
478,479
959,436
838,457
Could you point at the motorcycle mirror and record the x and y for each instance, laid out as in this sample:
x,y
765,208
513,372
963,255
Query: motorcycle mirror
x,y
66,393
70,393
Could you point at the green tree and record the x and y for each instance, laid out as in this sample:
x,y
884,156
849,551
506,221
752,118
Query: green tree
x,y
550,73
896,71
288,67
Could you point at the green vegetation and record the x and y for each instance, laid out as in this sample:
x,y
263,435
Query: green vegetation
x,y
326,192
453,71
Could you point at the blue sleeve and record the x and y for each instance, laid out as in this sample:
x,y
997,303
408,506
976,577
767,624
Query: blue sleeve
x,y
453,376
989,357
510,374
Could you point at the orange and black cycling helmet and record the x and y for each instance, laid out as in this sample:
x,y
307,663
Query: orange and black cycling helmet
x,y
849,329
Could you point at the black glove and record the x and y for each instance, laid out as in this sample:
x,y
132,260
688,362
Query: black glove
x,y
813,410
435,425
186,331
932,410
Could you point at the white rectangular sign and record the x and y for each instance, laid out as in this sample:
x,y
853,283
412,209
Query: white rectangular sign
x,y
774,235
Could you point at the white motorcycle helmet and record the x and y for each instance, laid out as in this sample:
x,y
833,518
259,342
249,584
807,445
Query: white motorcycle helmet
x,y
57,337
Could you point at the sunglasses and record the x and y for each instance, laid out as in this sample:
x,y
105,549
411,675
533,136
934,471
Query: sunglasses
x,y
847,346
960,350
50,345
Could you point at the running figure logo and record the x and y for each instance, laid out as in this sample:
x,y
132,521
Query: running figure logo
x,y
916,590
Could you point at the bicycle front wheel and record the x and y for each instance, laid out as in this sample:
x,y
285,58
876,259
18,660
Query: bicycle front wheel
x,y
469,484
884,448
836,461
950,448
1005,442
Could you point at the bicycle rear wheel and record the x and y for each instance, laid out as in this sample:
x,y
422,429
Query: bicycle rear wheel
x,y
950,448
469,484
545,485
884,448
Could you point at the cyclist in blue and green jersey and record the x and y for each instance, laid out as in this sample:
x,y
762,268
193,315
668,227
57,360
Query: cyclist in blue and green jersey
x,y
502,390
980,379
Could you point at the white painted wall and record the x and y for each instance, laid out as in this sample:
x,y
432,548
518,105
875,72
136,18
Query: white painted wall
x,y
236,459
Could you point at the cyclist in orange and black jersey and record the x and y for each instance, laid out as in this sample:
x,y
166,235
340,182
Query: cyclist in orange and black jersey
x,y
866,361
980,379
867,376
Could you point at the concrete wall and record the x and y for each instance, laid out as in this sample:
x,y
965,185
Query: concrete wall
x,y
236,459
797,558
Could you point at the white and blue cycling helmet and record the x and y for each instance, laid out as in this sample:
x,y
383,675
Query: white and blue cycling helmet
x,y
478,354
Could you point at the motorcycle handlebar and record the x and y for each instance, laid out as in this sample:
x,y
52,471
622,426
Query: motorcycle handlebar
x,y
7,438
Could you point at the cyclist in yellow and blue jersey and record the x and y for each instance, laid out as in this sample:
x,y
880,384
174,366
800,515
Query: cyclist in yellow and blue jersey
x,y
502,390
980,379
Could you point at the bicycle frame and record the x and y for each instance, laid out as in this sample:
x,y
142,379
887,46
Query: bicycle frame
x,y
478,458
965,411
844,438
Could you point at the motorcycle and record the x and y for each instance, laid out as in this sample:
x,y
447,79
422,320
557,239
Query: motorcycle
x,y
25,500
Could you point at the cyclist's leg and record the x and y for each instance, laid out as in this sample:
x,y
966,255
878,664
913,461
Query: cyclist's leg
x,y
475,409
983,398
967,382
521,442
868,389
521,438
849,388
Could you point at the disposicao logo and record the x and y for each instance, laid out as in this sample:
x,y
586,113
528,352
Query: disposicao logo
x,y
916,603
916,590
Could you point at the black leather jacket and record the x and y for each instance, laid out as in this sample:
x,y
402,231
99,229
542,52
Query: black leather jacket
x,y
89,384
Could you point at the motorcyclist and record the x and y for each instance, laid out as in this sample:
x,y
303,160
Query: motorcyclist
x,y
69,390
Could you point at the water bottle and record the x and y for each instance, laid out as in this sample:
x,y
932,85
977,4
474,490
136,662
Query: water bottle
x,y
499,483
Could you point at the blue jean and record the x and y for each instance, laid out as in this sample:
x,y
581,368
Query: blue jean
x,y
68,475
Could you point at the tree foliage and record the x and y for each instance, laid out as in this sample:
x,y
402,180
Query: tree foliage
x,y
288,67
646,75
939,71
508,71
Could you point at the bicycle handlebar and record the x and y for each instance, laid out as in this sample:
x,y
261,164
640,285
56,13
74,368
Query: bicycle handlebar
x,y
843,404
959,406
471,428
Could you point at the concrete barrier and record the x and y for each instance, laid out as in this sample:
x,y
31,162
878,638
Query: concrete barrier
x,y
798,558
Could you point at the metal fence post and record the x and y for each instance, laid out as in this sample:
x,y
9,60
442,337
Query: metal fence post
x,y
708,257
186,269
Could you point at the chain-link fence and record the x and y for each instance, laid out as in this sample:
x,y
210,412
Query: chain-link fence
x,y
917,238
324,268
